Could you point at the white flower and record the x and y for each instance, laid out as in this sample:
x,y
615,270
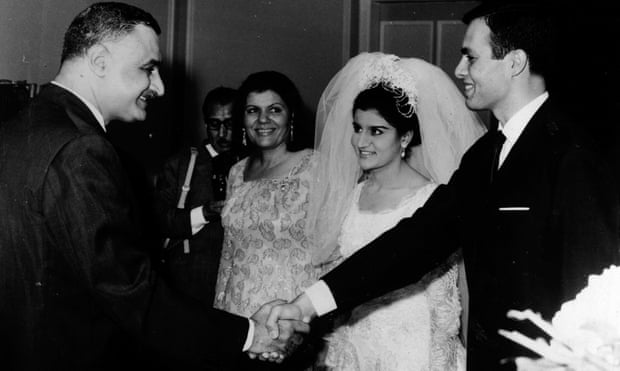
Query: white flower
x,y
585,332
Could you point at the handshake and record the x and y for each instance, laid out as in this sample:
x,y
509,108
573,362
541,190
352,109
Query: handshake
x,y
280,327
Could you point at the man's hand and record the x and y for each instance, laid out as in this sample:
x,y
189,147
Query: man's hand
x,y
288,334
299,309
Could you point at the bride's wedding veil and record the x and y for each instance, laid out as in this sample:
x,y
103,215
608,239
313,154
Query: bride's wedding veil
x,y
447,129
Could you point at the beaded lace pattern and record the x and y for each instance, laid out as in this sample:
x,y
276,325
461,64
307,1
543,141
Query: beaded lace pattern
x,y
414,328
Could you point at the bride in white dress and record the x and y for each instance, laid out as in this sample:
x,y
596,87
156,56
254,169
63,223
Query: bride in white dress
x,y
392,130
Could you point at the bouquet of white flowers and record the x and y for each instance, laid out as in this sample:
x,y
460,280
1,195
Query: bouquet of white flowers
x,y
585,332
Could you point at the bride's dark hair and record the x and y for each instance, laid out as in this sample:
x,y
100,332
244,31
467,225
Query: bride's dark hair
x,y
446,128
386,103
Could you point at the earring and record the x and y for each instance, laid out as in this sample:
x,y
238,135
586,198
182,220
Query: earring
x,y
291,133
403,149
244,140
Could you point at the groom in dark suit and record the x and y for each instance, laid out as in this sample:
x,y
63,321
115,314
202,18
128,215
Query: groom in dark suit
x,y
531,204
77,291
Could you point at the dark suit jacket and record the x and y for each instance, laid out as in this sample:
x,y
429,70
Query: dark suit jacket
x,y
515,259
77,290
194,273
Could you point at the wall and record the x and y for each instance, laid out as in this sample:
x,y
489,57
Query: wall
x,y
31,36
230,39
205,43
31,33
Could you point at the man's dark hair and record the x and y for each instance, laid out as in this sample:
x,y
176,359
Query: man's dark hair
x,y
528,26
219,96
101,22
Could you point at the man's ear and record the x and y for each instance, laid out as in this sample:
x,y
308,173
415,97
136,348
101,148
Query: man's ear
x,y
519,61
98,59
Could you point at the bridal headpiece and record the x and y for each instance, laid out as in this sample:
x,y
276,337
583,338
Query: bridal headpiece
x,y
385,72
447,128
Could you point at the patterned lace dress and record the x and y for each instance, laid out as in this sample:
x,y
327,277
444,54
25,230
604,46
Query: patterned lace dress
x,y
414,328
266,252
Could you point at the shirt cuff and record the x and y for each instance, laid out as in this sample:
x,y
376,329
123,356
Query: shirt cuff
x,y
250,338
197,219
321,298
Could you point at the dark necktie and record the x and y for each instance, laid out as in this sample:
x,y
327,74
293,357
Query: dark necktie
x,y
497,141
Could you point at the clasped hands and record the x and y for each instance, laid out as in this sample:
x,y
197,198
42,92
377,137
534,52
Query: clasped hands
x,y
280,328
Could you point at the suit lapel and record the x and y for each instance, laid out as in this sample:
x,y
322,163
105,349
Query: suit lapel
x,y
77,111
526,150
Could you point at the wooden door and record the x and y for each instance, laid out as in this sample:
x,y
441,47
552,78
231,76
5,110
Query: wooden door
x,y
431,30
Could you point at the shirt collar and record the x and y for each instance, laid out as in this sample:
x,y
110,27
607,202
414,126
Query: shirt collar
x,y
90,106
211,150
513,128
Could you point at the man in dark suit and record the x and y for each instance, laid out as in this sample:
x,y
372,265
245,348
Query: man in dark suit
x,y
77,291
533,221
194,232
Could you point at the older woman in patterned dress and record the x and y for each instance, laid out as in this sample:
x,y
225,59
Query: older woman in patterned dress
x,y
267,252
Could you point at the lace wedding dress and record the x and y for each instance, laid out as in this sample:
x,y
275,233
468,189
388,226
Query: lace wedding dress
x,y
414,328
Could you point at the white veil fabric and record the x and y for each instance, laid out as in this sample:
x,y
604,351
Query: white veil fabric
x,y
447,129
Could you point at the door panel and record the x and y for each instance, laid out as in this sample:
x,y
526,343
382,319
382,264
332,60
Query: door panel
x,y
395,38
430,30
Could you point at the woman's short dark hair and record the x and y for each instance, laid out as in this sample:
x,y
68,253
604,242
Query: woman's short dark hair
x,y
386,102
279,83
101,22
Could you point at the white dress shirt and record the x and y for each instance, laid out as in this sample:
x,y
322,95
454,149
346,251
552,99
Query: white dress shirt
x,y
319,293
196,216
513,128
